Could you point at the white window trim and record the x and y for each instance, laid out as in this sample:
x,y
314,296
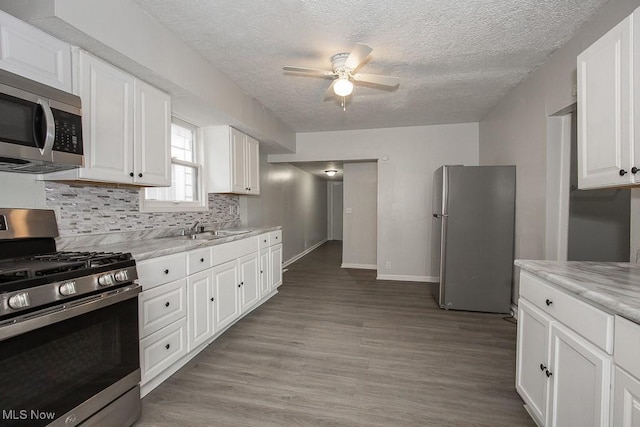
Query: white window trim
x,y
202,205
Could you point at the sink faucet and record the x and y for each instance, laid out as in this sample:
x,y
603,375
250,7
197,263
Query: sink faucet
x,y
190,231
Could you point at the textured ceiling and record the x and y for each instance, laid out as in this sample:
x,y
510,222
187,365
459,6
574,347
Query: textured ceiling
x,y
455,59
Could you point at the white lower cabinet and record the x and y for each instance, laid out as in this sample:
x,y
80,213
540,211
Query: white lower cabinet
x,y
563,377
190,298
201,308
275,261
626,400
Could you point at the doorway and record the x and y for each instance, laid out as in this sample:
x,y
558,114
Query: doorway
x,y
334,204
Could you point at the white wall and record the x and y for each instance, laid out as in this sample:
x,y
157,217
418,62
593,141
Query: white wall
x,y
515,130
360,215
292,198
407,156
21,191
123,34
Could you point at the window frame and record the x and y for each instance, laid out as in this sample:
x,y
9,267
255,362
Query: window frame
x,y
148,205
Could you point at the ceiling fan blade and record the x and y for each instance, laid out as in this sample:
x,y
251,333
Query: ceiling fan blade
x,y
376,79
358,54
309,71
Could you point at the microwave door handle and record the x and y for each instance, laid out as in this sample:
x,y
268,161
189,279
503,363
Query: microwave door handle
x,y
50,128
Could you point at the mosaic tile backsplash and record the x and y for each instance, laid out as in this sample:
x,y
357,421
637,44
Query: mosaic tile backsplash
x,y
82,209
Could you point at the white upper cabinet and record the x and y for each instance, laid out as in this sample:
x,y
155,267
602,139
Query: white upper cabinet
x,y
34,54
606,142
126,126
231,161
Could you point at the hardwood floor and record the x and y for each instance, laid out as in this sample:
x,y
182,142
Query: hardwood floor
x,y
336,347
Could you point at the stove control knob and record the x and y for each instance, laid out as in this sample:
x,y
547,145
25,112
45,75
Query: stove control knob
x,y
67,289
122,276
20,300
106,280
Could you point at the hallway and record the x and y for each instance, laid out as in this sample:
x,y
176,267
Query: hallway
x,y
336,347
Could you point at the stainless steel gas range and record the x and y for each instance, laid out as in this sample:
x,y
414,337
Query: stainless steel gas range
x,y
68,329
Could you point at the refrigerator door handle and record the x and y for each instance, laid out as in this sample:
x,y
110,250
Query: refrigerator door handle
x,y
440,215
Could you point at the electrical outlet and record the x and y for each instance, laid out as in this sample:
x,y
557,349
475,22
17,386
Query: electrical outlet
x,y
232,210
388,265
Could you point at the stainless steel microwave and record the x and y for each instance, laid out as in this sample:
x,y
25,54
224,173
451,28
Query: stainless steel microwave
x,y
40,127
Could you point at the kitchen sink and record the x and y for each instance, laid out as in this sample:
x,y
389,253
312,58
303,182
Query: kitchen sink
x,y
222,233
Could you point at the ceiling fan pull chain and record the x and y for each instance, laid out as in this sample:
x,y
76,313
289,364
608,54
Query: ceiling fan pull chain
x,y
344,105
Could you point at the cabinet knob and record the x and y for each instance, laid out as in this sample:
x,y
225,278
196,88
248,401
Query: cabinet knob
x,y
140,175
131,174
634,170
201,259
542,367
167,304
166,271
240,284
261,271
548,373
548,302
212,299
168,346
622,172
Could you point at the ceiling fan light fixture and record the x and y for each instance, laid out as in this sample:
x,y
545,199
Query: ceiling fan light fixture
x,y
343,87
331,172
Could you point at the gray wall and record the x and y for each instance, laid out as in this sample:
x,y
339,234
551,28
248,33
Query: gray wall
x,y
360,215
290,197
515,130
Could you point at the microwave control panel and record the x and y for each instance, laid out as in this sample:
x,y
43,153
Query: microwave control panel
x,y
68,132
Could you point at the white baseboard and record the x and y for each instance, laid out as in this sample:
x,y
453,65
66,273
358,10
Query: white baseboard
x,y
405,278
514,310
362,266
300,255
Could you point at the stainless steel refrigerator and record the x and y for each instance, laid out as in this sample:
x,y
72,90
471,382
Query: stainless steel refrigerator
x,y
472,246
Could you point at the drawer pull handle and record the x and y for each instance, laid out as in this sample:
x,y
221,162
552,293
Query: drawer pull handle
x,y
542,367
166,271
201,259
548,373
167,304
548,302
168,346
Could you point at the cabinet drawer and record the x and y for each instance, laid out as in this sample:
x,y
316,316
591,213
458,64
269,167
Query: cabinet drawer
x,y
232,250
275,237
158,271
162,306
264,240
160,350
198,260
588,321
626,351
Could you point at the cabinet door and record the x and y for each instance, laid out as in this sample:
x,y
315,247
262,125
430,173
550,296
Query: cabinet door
x,y
605,110
275,260
580,381
34,54
201,308
238,173
152,136
253,166
532,358
225,284
265,269
626,400
250,289
107,120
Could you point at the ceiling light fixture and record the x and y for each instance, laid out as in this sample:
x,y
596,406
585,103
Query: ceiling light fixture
x,y
331,172
343,87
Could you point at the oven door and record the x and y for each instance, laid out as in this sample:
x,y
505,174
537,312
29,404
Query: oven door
x,y
62,365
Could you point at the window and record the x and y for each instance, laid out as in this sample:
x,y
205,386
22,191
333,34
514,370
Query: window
x,y
186,192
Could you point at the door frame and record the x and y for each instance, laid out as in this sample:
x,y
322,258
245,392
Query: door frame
x,y
330,219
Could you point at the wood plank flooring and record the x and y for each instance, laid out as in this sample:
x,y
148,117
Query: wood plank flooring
x,y
336,347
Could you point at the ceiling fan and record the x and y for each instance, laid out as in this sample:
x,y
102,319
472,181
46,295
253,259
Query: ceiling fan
x,y
344,66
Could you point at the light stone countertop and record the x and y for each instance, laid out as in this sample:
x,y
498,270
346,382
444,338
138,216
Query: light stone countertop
x,y
614,286
145,248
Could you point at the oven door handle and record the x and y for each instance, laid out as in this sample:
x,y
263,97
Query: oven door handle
x,y
49,316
